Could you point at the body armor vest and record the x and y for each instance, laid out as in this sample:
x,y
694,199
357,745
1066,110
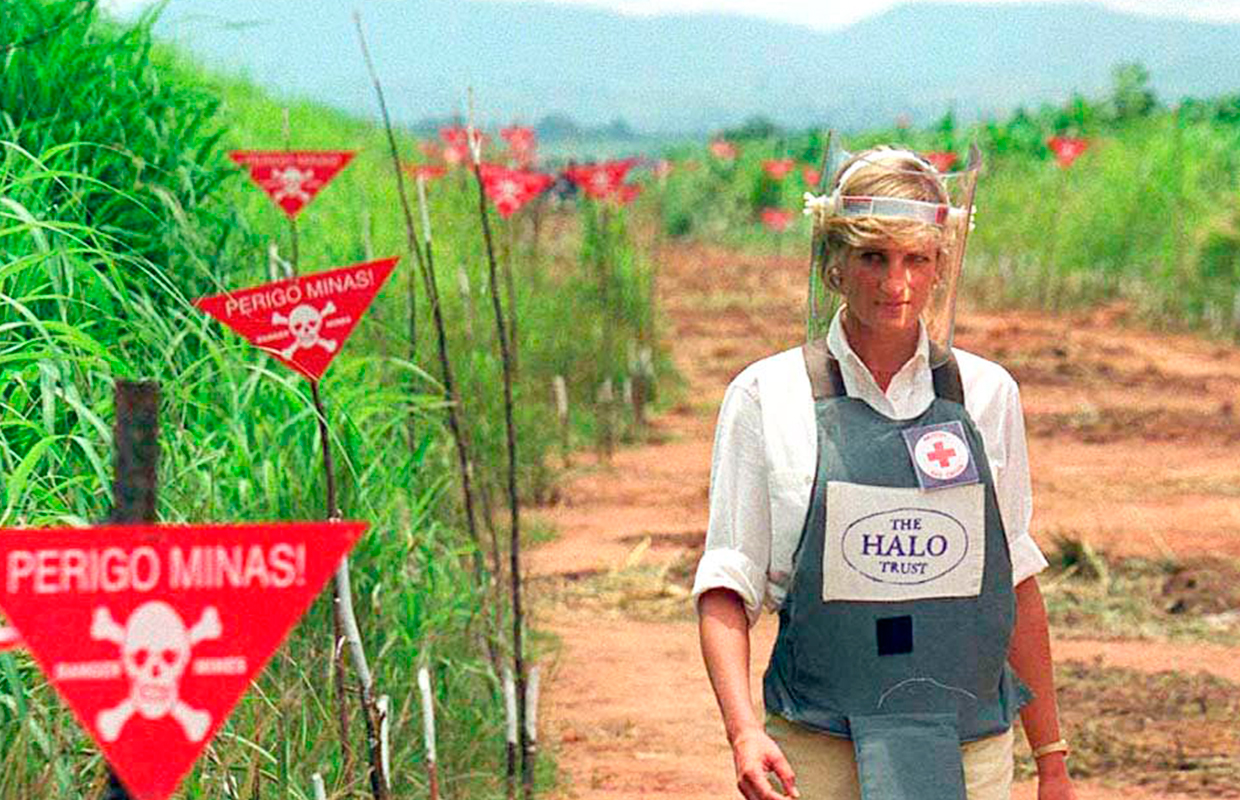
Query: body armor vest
x,y
907,680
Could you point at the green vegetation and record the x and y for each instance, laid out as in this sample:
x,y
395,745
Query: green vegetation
x,y
1148,215
117,207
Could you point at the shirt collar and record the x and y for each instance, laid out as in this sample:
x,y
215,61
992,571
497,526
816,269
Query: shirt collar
x,y
837,343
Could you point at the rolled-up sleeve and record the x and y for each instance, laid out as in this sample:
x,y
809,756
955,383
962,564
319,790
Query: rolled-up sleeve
x,y
1014,491
738,535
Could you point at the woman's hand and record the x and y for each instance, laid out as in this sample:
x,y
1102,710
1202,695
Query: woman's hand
x,y
756,754
1054,783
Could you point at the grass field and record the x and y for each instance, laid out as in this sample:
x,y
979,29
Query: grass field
x,y
117,208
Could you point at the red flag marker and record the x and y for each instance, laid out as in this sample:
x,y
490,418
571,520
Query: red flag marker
x,y
456,144
627,193
509,189
1066,149
302,321
151,633
600,180
292,178
777,168
522,145
942,160
776,219
723,150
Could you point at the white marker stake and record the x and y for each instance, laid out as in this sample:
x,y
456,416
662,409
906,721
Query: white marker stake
x,y
531,708
510,707
560,390
428,729
320,791
561,397
426,214
385,729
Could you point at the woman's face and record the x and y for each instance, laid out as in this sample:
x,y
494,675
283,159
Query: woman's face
x,y
887,285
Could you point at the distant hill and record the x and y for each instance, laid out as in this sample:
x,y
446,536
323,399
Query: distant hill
x,y
694,73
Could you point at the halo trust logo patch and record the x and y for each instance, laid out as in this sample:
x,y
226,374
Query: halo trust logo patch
x,y
905,545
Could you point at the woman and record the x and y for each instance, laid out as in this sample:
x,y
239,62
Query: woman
x,y
873,486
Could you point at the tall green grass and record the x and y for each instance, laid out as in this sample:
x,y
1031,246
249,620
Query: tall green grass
x,y
117,207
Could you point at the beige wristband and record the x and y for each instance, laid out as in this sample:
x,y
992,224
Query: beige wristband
x,y
1057,746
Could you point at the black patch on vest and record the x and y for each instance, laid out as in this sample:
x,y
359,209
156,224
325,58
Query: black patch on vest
x,y
895,635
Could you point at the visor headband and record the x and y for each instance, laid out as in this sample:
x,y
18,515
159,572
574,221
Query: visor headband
x,y
835,205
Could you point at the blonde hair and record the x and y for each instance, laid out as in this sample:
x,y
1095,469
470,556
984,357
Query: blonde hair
x,y
883,171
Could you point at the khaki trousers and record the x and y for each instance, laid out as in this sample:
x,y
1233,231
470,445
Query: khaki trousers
x,y
826,768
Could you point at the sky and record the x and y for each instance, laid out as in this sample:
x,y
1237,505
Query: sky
x,y
829,14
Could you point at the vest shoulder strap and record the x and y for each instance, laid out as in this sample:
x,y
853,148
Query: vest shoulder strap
x,y
826,381
947,383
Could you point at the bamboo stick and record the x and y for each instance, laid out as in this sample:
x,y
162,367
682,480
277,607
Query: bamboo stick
x,y
514,506
426,266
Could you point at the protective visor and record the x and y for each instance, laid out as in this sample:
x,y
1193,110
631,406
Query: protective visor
x,y
947,217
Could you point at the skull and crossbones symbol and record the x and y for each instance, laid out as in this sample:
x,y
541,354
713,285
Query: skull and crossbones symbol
x,y
290,181
305,324
507,191
155,652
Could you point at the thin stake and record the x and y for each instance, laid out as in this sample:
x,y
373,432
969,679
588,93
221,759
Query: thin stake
x,y
514,507
385,733
510,729
560,389
345,619
428,730
294,250
426,266
605,272
411,233
135,484
342,697
531,730
510,285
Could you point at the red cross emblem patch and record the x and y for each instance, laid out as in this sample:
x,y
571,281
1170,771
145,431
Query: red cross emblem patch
x,y
940,455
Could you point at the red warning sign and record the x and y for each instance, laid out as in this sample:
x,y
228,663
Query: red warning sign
x,y
151,633
292,177
302,321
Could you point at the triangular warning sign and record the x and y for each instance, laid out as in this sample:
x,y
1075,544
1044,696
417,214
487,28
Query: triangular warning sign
x,y
302,321
291,178
151,633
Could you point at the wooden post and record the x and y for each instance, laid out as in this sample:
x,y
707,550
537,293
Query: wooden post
x,y
135,447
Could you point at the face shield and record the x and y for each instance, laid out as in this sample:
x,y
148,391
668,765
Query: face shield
x,y
889,197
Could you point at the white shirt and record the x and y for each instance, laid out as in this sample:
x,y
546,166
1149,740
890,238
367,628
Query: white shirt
x,y
766,451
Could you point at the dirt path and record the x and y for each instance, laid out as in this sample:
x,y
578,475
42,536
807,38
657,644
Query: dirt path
x,y
1132,442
